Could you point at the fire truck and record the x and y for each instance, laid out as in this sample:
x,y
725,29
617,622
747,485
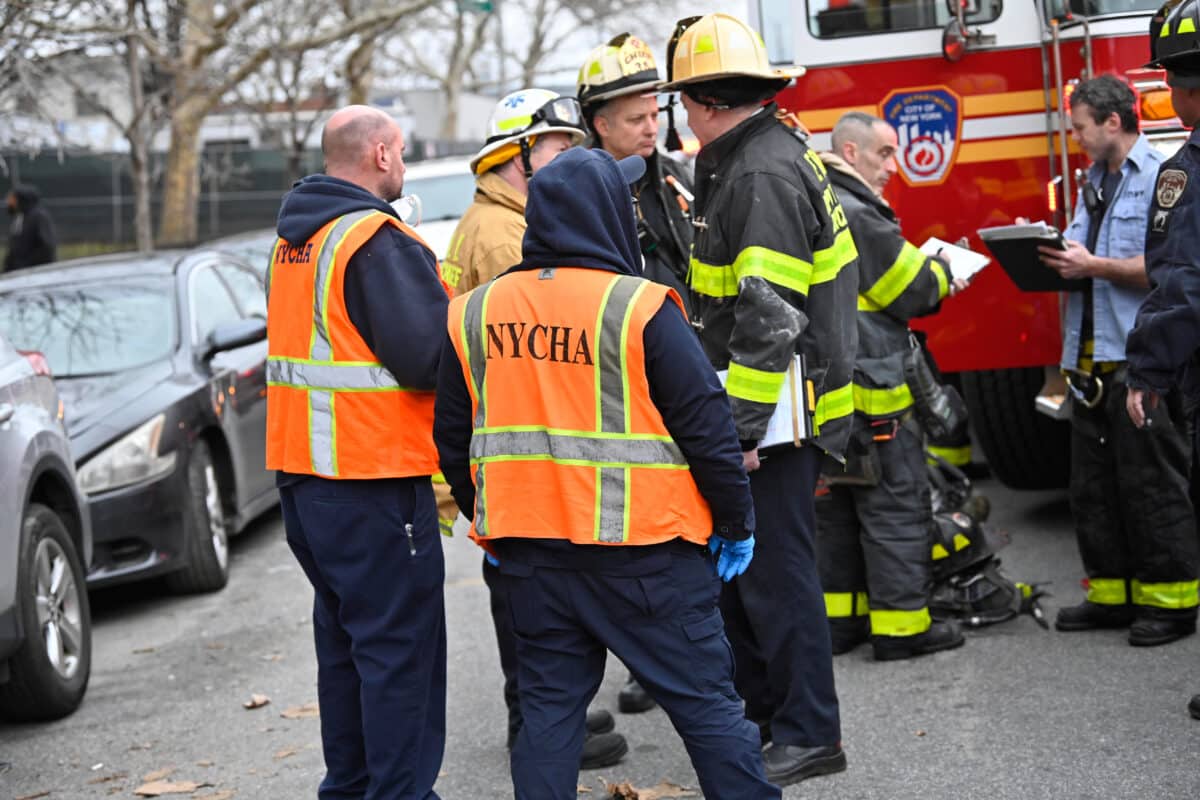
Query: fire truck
x,y
972,88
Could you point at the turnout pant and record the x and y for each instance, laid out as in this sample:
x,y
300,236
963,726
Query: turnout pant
x,y
775,612
658,614
379,624
873,542
1134,518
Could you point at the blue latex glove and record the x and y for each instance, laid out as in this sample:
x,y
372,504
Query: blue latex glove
x,y
491,559
732,557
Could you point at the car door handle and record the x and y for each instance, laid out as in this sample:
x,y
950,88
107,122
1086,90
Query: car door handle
x,y
6,412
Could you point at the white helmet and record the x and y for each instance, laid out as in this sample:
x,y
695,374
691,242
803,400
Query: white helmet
x,y
525,114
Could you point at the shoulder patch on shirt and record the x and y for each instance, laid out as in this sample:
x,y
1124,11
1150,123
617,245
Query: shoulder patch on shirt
x,y
1171,183
1161,218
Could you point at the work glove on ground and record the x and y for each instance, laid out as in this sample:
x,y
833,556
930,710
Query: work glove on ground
x,y
732,557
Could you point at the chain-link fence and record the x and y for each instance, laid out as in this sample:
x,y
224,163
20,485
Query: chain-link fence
x,y
90,196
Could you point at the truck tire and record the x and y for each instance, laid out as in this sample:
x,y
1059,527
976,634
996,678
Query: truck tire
x,y
206,530
1024,448
49,672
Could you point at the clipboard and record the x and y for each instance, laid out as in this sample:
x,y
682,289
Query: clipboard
x,y
792,423
1015,248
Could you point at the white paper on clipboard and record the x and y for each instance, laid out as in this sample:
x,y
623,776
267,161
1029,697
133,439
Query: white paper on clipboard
x,y
791,424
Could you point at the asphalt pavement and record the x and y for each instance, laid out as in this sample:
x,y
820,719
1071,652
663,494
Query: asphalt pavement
x,y
1018,712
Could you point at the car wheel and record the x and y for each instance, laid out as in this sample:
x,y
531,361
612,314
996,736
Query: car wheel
x,y
205,530
49,673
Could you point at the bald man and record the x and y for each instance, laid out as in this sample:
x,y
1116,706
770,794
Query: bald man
x,y
356,318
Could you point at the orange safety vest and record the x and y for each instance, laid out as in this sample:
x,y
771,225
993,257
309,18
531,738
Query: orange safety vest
x,y
567,443
333,409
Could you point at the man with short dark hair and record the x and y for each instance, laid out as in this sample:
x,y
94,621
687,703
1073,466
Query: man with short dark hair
x,y
1129,488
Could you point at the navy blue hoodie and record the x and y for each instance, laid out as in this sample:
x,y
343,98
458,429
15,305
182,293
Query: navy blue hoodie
x,y
392,291
580,213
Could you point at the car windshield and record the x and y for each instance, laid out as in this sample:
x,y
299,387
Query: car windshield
x,y
93,328
442,196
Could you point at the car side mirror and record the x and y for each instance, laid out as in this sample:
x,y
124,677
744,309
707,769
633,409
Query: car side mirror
x,y
233,335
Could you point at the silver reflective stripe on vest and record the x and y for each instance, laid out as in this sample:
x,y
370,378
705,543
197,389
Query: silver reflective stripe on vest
x,y
321,433
474,336
338,377
321,349
611,449
579,448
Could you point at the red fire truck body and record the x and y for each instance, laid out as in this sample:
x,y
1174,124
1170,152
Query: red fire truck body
x,y
979,146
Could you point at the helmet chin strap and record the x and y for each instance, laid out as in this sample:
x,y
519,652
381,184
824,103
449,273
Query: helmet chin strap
x,y
525,151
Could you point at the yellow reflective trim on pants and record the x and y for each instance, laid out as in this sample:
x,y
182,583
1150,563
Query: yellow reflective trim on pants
x,y
829,261
958,456
834,404
1107,591
755,385
898,277
882,402
1177,595
446,526
889,622
845,604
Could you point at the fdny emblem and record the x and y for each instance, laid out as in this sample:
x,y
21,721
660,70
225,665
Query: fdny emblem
x,y
1171,183
928,123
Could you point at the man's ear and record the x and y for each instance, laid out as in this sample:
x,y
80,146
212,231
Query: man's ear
x,y
849,152
600,125
381,156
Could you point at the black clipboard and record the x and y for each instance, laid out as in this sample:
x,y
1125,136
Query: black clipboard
x,y
1016,250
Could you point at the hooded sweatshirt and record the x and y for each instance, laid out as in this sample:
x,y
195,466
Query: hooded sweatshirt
x,y
31,239
580,214
393,294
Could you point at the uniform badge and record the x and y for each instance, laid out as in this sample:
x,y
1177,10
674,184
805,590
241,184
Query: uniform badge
x,y
1171,183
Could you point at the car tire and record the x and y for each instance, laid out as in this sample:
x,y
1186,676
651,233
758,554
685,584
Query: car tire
x,y
206,532
48,675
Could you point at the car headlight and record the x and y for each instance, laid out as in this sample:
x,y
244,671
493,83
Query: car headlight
x,y
131,459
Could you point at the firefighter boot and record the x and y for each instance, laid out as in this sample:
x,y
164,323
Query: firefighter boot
x,y
633,699
1088,616
942,635
788,763
1153,627
847,634
602,750
1194,707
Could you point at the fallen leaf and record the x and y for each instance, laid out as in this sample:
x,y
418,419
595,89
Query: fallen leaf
x,y
157,775
118,776
286,752
627,791
301,712
141,746
256,701
142,650
224,794
582,790
204,763
156,788
920,733
215,646
33,796
273,657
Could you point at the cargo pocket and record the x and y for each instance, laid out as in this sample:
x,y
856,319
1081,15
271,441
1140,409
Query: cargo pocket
x,y
713,662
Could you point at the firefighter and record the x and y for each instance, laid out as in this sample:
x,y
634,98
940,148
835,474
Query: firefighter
x,y
1129,489
573,375
1163,349
773,273
874,525
356,306
618,89
527,130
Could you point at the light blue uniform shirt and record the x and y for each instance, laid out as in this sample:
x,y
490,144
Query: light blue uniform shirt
x,y
1122,235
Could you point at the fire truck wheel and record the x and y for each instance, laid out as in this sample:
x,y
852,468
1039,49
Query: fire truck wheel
x,y
1025,449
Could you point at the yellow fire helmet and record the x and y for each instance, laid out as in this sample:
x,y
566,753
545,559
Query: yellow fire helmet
x,y
719,46
624,66
518,119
